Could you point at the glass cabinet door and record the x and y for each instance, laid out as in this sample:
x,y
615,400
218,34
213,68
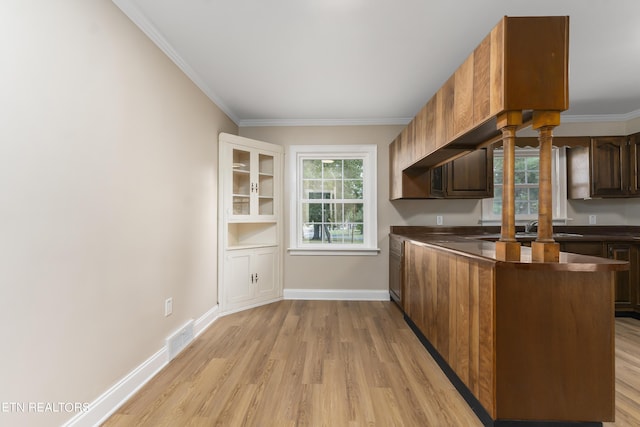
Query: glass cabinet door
x,y
241,194
265,184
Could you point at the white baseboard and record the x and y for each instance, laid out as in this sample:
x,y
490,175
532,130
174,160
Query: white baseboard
x,y
337,294
107,403
206,320
247,307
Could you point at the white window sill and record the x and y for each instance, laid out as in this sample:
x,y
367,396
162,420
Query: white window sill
x,y
332,252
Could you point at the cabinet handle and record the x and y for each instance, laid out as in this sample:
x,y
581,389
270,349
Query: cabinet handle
x,y
252,187
256,187
252,278
256,277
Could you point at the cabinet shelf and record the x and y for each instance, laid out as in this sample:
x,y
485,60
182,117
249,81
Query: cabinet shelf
x,y
241,247
251,234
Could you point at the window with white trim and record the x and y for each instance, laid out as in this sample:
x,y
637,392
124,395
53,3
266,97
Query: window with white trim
x,y
333,199
526,178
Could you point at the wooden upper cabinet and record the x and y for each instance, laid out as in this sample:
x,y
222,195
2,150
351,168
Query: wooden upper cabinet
x,y
482,79
521,65
471,176
395,172
609,167
634,154
463,98
467,177
535,68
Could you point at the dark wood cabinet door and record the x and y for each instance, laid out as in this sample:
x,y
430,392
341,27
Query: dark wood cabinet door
x,y
626,282
470,176
634,155
396,270
437,184
609,167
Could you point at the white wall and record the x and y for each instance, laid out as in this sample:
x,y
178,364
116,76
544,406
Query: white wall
x,y
108,201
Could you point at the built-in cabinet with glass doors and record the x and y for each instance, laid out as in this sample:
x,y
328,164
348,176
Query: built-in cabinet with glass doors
x,y
250,215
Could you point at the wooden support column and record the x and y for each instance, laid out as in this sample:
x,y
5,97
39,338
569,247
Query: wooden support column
x,y
545,249
508,248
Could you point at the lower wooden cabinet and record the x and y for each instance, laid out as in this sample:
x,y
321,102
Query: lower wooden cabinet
x,y
508,332
396,269
626,282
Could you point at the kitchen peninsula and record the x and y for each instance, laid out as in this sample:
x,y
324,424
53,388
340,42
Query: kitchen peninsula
x,y
525,340
525,334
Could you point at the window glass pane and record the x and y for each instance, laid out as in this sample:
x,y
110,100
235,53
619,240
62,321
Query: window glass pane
x,y
311,186
533,177
331,168
532,163
520,177
533,207
522,208
497,178
353,169
519,163
353,212
311,168
497,206
337,212
312,212
533,194
498,164
353,189
522,193
332,189
328,213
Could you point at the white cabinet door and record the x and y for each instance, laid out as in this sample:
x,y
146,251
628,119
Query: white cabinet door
x,y
250,276
265,267
237,284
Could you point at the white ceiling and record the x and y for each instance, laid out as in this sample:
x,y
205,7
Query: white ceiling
x,y
376,61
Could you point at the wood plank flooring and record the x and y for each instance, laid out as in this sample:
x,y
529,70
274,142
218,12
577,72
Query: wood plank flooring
x,y
325,363
627,373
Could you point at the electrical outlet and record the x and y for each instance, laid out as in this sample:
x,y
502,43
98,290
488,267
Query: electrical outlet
x,y
168,306
592,219
439,220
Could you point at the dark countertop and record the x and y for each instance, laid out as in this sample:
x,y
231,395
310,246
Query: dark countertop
x,y
472,242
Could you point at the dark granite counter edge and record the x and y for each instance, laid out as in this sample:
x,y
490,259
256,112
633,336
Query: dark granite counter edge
x,y
470,246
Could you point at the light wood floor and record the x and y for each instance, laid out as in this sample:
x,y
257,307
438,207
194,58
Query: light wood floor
x,y
325,363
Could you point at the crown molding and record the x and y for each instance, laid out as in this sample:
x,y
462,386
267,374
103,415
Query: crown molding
x,y
131,10
324,122
601,117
